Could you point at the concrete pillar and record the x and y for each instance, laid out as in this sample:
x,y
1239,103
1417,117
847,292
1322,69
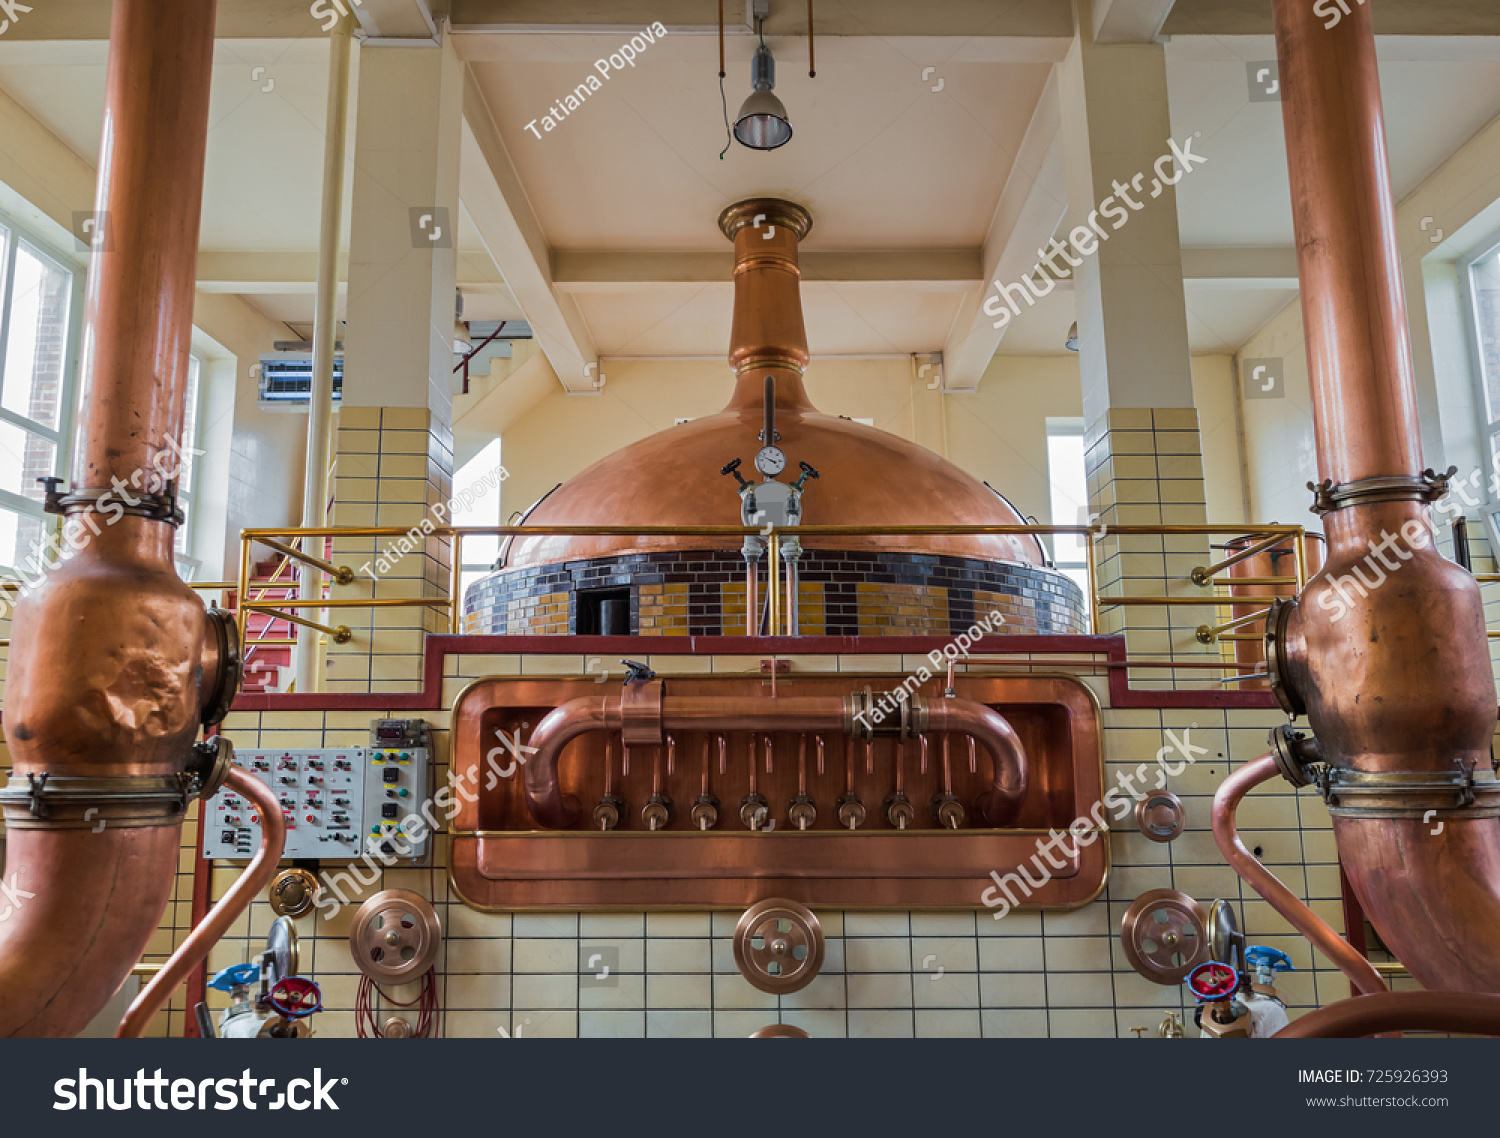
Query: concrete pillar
x,y
1142,447
395,438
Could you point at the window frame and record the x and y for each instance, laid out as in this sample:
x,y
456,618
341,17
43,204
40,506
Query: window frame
x,y
62,438
1067,427
1488,430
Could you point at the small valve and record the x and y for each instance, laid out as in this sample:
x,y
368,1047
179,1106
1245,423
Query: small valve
x,y
899,811
807,472
851,811
734,468
948,811
657,812
607,814
802,813
705,813
754,810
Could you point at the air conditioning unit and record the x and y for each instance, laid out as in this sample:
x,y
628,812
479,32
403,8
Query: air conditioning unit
x,y
286,379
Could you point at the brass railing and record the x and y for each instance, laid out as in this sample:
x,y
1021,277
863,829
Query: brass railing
x,y
1205,577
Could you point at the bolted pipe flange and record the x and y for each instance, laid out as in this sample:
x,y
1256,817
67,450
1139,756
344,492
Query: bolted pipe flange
x,y
851,811
705,812
609,811
223,634
209,765
802,813
1296,754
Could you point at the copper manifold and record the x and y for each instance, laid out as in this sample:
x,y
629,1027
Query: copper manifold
x,y
644,713
1385,651
115,664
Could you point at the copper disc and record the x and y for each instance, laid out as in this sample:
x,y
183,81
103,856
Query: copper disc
x,y
778,946
395,936
1164,935
780,1031
1160,816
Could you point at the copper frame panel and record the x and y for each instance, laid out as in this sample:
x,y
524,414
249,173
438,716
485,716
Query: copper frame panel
x,y
499,861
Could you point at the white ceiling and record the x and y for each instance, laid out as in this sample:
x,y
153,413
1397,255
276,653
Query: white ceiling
x,y
881,160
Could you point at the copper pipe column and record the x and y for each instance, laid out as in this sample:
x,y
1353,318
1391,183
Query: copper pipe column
x,y
1392,666
115,662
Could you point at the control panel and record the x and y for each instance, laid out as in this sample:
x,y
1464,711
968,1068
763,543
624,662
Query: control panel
x,y
396,784
337,801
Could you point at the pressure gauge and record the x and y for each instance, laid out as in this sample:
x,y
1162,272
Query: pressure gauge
x,y
770,461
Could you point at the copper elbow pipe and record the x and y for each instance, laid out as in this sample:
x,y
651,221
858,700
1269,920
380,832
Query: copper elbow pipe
x,y
553,809
1473,1013
256,877
1226,803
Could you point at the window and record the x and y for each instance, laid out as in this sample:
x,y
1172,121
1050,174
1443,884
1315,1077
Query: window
x,y
39,306
188,566
1479,276
1070,498
476,490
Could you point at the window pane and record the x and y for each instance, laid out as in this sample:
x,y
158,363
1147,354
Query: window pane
x,y
189,430
1065,472
476,487
20,543
24,458
38,341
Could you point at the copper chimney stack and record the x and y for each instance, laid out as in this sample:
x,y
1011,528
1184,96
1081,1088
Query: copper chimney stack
x,y
115,664
1394,680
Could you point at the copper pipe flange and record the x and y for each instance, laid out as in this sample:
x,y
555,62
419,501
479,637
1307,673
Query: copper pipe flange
x,y
71,802
1410,794
1296,754
210,765
771,211
223,681
1277,650
293,893
1429,486
778,946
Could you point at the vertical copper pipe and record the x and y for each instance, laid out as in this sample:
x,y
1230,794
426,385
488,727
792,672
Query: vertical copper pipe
x,y
1395,676
257,876
1263,881
752,598
107,675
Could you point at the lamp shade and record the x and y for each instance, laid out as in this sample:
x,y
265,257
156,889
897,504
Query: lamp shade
x,y
762,122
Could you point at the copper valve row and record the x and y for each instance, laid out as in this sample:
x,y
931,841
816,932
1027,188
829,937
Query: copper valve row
x,y
755,811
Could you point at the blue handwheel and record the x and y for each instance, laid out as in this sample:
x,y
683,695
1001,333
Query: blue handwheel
x,y
235,976
1263,956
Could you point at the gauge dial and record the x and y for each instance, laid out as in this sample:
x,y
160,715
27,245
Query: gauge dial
x,y
770,461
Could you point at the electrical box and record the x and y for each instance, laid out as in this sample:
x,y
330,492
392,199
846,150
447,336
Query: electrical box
x,y
337,801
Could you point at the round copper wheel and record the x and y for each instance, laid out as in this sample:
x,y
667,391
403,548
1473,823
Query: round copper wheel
x,y
395,936
780,1031
1164,935
778,946
1160,816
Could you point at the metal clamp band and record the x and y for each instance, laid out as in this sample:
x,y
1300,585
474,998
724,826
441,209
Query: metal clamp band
x,y
1429,486
65,802
139,504
1409,794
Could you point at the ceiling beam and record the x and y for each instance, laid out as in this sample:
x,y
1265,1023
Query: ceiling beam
x,y
1240,266
1034,200
1129,21
396,19
604,271
496,202
292,273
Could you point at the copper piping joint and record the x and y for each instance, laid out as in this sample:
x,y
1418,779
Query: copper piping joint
x,y
1227,800
650,713
705,812
115,663
898,808
657,813
850,807
754,809
1385,652
947,810
246,888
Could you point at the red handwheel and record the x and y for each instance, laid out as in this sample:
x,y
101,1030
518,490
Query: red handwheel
x,y
1213,981
295,997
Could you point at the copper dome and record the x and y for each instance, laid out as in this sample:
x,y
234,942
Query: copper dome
x,y
868,477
